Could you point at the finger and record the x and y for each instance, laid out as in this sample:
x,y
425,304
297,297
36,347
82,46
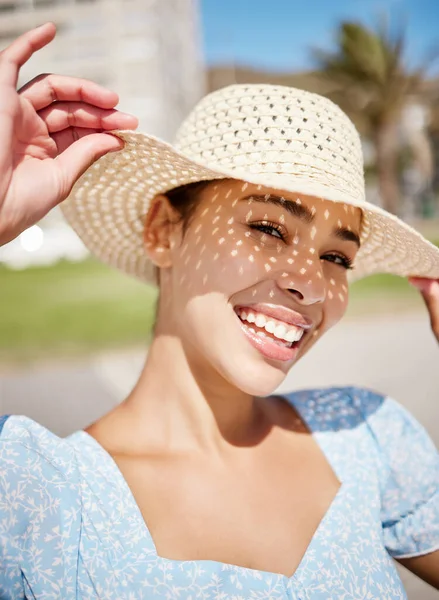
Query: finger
x,y
62,115
47,88
423,284
20,51
76,159
431,299
429,289
65,138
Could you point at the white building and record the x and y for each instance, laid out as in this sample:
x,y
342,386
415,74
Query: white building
x,y
148,51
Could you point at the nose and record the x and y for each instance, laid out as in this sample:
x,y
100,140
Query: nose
x,y
306,283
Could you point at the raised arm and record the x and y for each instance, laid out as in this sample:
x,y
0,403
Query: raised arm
x,y
53,129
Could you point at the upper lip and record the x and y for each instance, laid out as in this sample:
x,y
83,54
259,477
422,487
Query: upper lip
x,y
280,313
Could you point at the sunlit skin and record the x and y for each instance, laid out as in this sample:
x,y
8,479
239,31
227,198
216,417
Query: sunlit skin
x,y
240,249
201,372
202,418
219,468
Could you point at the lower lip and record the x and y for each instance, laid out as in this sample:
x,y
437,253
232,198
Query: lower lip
x,y
270,349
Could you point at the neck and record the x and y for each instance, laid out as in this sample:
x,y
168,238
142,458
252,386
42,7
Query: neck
x,y
181,403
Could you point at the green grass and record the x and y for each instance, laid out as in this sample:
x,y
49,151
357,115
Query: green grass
x,y
382,294
71,308
77,308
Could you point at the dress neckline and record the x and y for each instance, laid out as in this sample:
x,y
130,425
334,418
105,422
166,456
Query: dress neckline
x,y
134,508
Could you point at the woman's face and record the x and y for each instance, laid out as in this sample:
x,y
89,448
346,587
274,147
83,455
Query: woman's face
x,y
257,279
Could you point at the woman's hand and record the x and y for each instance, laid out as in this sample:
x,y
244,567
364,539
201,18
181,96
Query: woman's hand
x,y
52,131
429,289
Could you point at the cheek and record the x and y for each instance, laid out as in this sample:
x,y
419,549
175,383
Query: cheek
x,y
334,309
222,257
335,305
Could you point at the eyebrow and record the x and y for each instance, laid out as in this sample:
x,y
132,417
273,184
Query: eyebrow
x,y
303,213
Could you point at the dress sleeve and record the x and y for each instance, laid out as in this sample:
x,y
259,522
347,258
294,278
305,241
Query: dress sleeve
x,y
11,581
409,478
37,513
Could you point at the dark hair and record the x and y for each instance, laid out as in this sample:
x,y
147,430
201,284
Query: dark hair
x,y
185,199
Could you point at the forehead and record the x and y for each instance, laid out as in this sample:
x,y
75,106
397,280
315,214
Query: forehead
x,y
235,193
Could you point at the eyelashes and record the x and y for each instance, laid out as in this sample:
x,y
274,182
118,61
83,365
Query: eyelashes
x,y
268,227
339,259
277,231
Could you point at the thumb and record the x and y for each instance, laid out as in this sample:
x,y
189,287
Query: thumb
x,y
78,157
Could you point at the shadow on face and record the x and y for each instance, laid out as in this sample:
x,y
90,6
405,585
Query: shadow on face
x,y
248,269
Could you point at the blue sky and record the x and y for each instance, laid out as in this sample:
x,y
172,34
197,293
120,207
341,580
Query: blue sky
x,y
277,34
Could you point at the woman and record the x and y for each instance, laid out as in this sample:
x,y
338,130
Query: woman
x,y
202,484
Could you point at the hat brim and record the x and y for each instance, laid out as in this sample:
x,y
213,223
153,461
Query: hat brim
x,y
108,205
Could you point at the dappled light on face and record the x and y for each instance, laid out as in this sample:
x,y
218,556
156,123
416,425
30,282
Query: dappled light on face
x,y
235,244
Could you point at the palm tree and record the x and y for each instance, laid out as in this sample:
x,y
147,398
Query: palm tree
x,y
373,85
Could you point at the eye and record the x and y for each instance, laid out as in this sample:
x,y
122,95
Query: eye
x,y
269,228
338,259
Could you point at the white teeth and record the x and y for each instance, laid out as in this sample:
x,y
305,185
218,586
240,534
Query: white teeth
x,y
293,336
280,331
270,326
282,343
260,320
287,333
263,335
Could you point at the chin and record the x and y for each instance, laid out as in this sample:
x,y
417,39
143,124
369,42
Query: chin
x,y
254,377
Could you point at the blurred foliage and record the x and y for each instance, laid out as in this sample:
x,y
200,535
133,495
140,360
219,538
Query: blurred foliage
x,y
373,85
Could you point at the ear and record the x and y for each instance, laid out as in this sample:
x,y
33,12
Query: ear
x,y
161,231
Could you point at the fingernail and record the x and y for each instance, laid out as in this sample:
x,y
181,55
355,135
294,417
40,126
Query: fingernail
x,y
419,284
424,285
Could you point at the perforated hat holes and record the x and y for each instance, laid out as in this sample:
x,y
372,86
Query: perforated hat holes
x,y
272,136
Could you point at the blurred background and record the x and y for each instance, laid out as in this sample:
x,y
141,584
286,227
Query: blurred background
x,y
74,333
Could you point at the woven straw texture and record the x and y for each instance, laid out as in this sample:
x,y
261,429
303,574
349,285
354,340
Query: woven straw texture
x,y
276,136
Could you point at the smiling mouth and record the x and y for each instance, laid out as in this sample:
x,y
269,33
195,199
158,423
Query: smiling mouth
x,y
267,328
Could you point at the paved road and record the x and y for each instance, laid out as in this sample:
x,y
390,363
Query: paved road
x,y
397,356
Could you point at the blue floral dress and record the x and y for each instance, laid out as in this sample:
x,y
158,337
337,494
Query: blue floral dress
x,y
70,528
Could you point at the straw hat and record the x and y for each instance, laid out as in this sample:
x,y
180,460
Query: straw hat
x,y
279,137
